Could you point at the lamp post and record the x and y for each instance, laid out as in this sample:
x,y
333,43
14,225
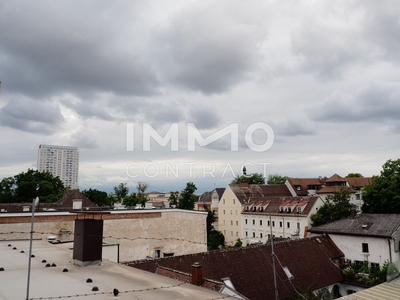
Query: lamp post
x,y
35,202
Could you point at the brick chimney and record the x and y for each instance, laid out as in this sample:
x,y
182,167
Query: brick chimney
x,y
244,184
197,273
353,212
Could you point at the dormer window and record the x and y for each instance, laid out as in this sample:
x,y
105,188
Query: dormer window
x,y
298,187
299,210
281,209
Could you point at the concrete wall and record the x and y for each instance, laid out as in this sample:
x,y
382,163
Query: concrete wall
x,y
138,233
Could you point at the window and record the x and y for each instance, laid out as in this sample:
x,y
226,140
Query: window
x,y
288,224
246,233
231,223
233,201
280,224
224,222
157,253
231,233
268,224
224,211
245,221
254,222
231,212
260,222
237,223
223,201
273,223
254,234
260,235
236,212
237,234
298,225
224,232
365,248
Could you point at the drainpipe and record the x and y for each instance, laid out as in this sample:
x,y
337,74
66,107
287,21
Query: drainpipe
x,y
390,250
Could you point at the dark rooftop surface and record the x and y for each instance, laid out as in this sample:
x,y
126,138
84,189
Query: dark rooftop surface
x,y
379,225
250,268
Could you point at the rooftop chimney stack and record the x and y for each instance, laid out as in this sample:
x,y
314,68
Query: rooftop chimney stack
x,y
353,212
197,273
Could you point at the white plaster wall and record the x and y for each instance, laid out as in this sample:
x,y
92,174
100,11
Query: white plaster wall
x,y
352,248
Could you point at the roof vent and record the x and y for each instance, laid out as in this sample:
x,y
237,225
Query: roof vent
x,y
44,261
9,245
89,280
53,265
95,289
32,255
115,292
1,269
48,265
65,270
22,251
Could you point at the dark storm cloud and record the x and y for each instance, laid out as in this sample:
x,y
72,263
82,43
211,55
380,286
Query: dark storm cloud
x,y
373,103
27,115
202,49
47,49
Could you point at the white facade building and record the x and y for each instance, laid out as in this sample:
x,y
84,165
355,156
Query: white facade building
x,y
372,238
60,161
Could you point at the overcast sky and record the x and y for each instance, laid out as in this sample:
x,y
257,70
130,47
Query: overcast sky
x,y
323,75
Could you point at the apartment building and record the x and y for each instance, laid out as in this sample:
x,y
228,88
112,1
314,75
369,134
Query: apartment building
x,y
60,161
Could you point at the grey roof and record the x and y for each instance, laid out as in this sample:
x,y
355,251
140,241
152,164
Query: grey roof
x,y
205,197
220,192
378,225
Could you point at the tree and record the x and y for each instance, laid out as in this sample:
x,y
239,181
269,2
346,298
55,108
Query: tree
x,y
120,192
174,198
354,175
210,219
96,196
276,179
383,195
215,240
141,187
187,197
25,186
254,178
336,207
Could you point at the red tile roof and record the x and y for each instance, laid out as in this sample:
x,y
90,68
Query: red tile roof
x,y
258,191
250,268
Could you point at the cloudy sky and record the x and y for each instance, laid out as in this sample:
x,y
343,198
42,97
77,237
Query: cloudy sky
x,y
324,76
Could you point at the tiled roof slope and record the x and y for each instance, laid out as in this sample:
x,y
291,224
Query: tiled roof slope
x,y
220,191
250,268
205,197
271,205
305,183
378,225
245,194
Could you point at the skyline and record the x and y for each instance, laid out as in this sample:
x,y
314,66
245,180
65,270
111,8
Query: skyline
x,y
323,76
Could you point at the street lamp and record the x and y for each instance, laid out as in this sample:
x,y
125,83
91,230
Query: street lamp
x,y
35,202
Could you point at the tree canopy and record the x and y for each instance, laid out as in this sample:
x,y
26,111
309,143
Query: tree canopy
x,y
254,178
352,175
121,191
383,195
336,207
187,197
276,179
25,186
99,197
215,240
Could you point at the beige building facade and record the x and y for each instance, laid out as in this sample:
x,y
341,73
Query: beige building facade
x,y
141,234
